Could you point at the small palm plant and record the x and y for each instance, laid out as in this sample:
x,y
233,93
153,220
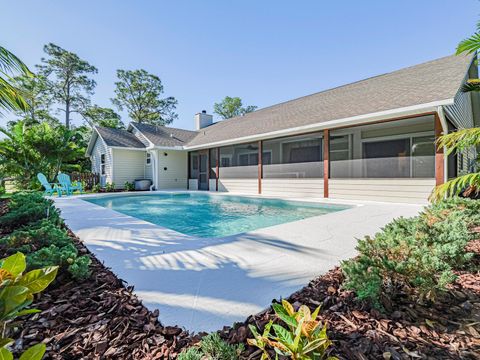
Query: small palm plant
x,y
461,140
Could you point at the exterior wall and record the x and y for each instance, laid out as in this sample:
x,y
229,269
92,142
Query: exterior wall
x,y
243,186
98,149
293,187
389,190
128,165
212,184
193,184
172,169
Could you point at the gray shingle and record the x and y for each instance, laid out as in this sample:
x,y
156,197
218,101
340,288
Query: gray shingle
x,y
119,137
165,136
428,82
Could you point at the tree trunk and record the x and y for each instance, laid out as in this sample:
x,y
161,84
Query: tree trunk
x,y
67,114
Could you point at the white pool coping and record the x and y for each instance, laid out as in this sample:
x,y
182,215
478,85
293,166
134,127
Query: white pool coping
x,y
204,284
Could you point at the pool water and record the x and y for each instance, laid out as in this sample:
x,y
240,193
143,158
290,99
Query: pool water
x,y
203,215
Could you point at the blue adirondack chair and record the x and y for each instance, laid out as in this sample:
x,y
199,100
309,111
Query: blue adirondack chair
x,y
50,188
66,183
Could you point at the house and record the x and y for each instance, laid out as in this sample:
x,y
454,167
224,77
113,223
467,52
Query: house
x,y
373,139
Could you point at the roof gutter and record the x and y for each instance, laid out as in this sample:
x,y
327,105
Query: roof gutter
x,y
353,120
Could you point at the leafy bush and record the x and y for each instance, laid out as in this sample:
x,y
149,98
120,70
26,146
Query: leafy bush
x,y
43,241
25,208
212,347
304,337
128,186
417,255
96,188
16,295
110,187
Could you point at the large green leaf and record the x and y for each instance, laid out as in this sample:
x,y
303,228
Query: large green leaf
x,y
15,264
283,335
12,298
34,353
5,354
38,280
5,341
314,345
284,316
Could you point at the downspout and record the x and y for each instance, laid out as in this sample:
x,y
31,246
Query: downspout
x,y
443,122
154,168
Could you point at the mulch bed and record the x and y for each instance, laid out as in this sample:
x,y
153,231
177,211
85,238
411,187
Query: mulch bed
x,y
102,319
448,329
98,318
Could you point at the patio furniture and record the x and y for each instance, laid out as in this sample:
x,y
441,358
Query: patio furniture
x,y
66,183
142,184
50,188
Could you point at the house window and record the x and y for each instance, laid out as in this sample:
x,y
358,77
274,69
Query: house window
x,y
102,164
149,158
225,161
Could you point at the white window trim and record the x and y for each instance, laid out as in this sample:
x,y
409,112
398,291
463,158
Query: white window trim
x,y
148,156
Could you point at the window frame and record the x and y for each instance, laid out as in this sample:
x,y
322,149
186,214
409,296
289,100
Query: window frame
x,y
103,161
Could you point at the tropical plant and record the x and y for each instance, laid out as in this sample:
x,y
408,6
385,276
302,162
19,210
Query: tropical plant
x,y
110,187
11,98
140,93
304,337
416,256
461,140
128,186
16,295
212,347
96,188
231,107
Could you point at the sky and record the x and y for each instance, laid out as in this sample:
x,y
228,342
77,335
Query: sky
x,y
264,52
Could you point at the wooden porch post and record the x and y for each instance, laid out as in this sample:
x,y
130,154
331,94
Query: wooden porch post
x,y
439,155
260,166
217,165
326,161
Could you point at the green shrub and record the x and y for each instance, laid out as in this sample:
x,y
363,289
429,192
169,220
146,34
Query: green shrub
x,y
96,188
212,347
110,187
25,208
417,255
128,186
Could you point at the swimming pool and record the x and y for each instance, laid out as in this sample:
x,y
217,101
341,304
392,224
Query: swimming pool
x,y
205,216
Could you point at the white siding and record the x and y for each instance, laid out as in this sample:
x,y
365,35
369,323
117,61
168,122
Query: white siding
x,y
390,190
172,170
293,187
241,186
128,165
98,149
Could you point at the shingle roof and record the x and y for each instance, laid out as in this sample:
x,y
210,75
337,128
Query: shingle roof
x,y
420,84
165,136
119,137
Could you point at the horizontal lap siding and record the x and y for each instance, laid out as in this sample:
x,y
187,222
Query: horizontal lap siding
x,y
128,165
98,149
293,187
243,186
172,170
391,190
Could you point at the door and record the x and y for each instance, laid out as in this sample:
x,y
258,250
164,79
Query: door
x,y
203,171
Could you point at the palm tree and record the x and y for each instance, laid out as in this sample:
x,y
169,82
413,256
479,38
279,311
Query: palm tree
x,y
461,140
10,96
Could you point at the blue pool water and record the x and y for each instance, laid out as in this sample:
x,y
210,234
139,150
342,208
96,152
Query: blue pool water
x,y
204,215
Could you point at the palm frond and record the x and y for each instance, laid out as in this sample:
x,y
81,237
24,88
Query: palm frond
x,y
10,97
469,45
9,63
455,186
460,140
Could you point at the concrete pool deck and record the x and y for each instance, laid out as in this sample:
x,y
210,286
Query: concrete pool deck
x,y
204,284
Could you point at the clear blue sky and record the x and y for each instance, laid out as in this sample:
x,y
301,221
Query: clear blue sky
x,y
262,51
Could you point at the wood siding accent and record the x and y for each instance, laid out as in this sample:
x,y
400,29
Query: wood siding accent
x,y
239,186
260,165
439,155
326,161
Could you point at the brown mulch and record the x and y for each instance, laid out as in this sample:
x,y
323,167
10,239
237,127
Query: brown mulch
x,y
98,318
448,329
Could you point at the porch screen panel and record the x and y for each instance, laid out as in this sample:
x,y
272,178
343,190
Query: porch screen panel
x,y
194,165
295,157
239,161
396,149
212,155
